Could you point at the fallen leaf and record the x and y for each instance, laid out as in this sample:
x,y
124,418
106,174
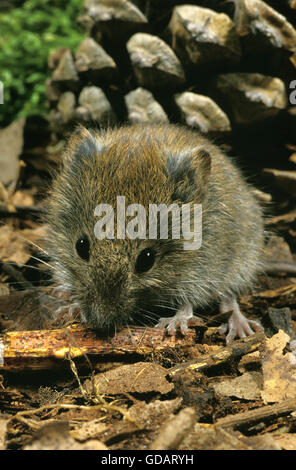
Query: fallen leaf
x,y
263,442
279,371
278,248
3,423
142,377
88,430
144,415
55,436
22,198
247,386
286,441
22,309
212,437
147,414
215,437
14,244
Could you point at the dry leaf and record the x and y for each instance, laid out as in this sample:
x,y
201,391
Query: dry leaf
x,y
88,430
278,248
55,436
286,441
247,386
212,437
215,437
263,442
279,371
142,377
22,198
147,414
14,244
3,423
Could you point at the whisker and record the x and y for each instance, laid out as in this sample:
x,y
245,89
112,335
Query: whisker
x,y
34,244
26,266
166,307
43,262
30,285
148,314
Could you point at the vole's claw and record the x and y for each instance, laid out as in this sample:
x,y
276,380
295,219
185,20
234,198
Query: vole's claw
x,y
243,329
179,320
238,324
170,323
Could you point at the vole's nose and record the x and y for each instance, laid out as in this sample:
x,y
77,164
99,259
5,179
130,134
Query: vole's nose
x,y
111,286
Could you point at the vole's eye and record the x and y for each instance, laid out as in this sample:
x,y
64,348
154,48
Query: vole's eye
x,y
145,260
82,247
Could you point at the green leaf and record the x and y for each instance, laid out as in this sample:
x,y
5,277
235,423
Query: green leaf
x,y
29,32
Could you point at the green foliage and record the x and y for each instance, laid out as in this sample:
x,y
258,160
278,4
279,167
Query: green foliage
x,y
28,34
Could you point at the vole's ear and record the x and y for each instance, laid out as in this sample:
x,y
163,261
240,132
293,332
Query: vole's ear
x,y
190,173
83,144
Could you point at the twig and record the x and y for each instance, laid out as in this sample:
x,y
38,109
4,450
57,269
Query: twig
x,y
265,412
36,350
235,350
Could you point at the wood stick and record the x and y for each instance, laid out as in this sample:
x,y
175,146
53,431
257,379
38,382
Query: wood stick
x,y
265,412
270,293
235,350
37,350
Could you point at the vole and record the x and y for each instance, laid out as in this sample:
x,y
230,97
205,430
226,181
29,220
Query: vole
x,y
115,280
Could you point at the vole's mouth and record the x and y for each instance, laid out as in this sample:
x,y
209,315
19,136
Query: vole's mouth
x,y
108,317
106,320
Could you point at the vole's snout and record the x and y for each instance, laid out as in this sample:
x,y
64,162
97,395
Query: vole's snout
x,y
108,303
101,314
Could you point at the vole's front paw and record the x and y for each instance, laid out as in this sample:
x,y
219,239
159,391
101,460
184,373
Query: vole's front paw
x,y
178,321
238,325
